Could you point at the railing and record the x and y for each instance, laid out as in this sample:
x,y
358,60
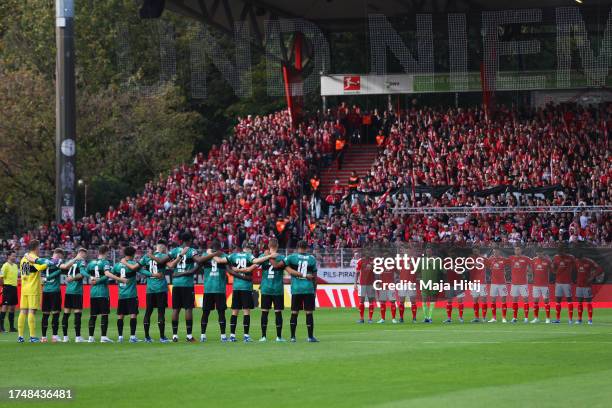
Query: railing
x,y
504,210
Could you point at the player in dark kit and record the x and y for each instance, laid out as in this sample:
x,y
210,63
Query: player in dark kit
x,y
303,270
183,293
241,266
128,295
52,296
272,290
99,296
157,290
73,298
215,281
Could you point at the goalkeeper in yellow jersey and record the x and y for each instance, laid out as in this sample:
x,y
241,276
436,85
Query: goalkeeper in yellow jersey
x,y
31,286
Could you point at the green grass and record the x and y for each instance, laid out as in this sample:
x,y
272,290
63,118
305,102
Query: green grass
x,y
474,365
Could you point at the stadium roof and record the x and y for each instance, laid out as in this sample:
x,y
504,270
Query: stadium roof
x,y
342,15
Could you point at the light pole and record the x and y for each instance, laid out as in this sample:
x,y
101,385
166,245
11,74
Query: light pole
x,y
65,111
83,184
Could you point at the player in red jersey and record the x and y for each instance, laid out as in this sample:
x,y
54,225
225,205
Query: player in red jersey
x,y
497,264
520,265
452,278
364,285
563,267
386,295
405,276
541,266
586,271
479,275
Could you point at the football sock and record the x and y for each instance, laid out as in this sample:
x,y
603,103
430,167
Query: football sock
x,y
32,324
515,309
494,310
293,324
461,310
204,321
55,323
536,310
279,323
413,309
370,310
65,318
233,322
221,321
425,309
476,310
92,324
570,310
393,310
161,322
133,323
120,327
590,310
504,310
2,315
246,323
146,324
526,310
104,325
310,324
547,309
11,319
580,310
174,327
146,321
449,311
189,324
383,310
432,306
264,323
44,324
21,321
402,309
77,324
483,307
558,310
361,310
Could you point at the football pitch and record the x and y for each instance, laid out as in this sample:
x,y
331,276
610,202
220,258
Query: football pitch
x,y
401,365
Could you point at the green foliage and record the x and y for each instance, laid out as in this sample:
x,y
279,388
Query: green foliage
x,y
123,139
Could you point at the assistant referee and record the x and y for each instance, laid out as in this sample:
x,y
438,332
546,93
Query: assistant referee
x,y
8,281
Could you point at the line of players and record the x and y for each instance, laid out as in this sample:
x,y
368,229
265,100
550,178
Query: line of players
x,y
564,267
183,263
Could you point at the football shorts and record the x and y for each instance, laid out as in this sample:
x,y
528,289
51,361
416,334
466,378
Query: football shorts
x,y
30,302
540,291
100,306
268,300
519,290
366,291
212,301
499,290
51,301
563,290
584,293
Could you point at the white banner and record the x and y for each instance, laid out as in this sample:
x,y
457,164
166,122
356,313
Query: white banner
x,y
356,84
337,275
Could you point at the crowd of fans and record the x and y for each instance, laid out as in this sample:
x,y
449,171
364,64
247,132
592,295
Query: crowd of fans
x,y
254,184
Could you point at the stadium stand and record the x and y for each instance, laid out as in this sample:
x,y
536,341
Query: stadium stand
x,y
251,185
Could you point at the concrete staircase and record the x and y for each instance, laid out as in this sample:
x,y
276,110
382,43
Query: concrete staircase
x,y
356,157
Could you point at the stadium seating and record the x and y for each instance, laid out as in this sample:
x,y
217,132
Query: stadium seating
x,y
250,186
